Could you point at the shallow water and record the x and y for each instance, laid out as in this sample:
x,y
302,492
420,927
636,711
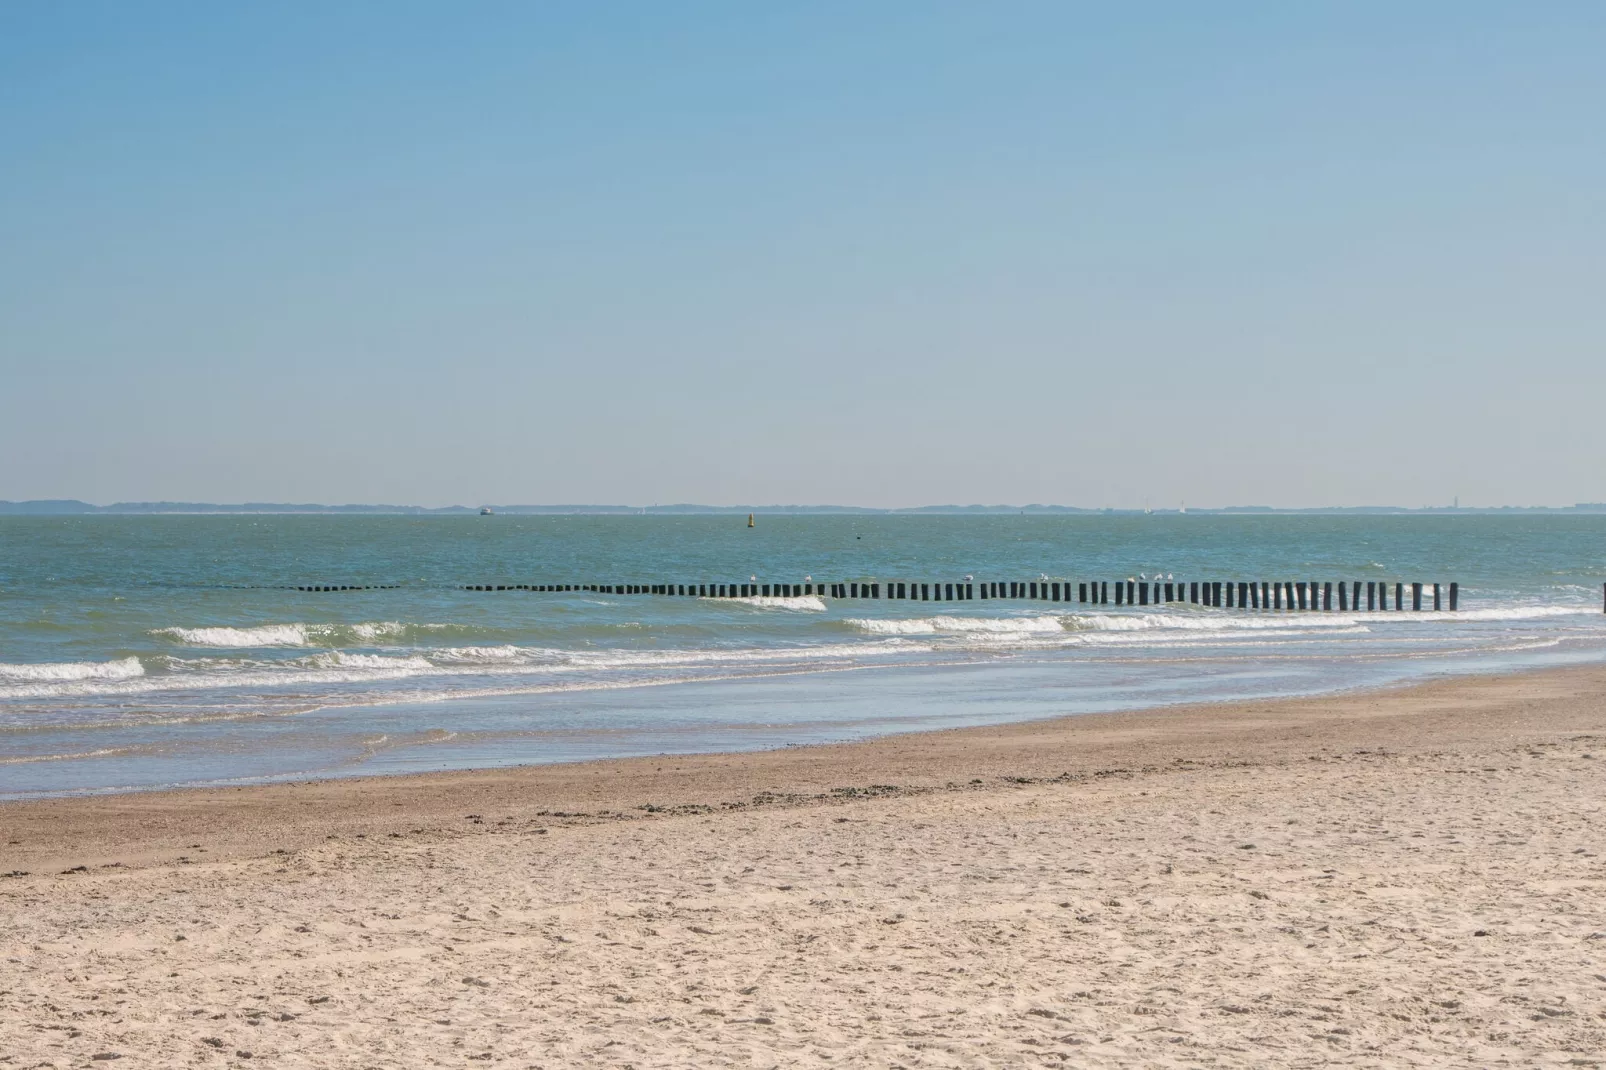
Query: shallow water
x,y
140,652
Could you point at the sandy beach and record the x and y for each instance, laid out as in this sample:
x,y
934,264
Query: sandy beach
x,y
1401,878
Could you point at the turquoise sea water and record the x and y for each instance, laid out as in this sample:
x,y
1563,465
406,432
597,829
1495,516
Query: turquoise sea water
x,y
140,652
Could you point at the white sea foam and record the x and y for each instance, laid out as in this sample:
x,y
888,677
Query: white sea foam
x,y
808,602
476,653
265,635
121,669
958,625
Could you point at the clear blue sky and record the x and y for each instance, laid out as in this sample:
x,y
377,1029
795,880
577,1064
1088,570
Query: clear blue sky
x,y
863,253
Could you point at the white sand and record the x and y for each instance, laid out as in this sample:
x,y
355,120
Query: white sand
x,y
1287,897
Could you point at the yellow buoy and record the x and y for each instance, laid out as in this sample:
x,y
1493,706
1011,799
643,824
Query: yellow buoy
x,y
749,519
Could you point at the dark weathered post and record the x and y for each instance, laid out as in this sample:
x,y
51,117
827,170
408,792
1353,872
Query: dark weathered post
x,y
1455,596
1055,588
1436,606
1327,596
1104,592
1193,592
1416,598
1399,597
1081,593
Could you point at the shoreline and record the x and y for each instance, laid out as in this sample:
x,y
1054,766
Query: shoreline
x,y
147,826
1381,879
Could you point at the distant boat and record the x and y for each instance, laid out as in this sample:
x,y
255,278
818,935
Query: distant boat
x,y
485,510
749,519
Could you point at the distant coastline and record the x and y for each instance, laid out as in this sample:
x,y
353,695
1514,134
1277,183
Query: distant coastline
x,y
73,507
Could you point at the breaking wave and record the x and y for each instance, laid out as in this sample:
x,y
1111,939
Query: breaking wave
x,y
805,602
265,635
64,671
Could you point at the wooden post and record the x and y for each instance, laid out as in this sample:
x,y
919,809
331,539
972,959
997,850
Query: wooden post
x,y
1399,597
1081,593
1327,596
1193,593
1436,605
1343,597
1416,598
1455,596
1056,588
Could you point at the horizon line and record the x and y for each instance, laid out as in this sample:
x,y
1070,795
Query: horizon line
x,y
75,507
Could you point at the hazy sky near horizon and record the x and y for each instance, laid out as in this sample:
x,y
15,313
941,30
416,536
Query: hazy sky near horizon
x,y
858,253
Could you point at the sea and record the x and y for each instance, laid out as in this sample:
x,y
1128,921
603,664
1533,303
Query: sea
x,y
145,652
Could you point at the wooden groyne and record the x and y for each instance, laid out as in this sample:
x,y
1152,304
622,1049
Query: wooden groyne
x,y
1371,596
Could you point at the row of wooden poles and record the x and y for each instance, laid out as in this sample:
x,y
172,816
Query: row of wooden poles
x,y
1290,594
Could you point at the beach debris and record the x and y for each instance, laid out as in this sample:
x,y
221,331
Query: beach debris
x,y
15,873
216,1042
75,869
476,982
318,999
104,1056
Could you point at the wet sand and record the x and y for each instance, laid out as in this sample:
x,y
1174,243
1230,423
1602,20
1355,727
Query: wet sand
x,y
1401,878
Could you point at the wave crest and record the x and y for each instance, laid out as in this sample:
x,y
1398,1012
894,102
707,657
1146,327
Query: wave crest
x,y
286,634
807,602
47,672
